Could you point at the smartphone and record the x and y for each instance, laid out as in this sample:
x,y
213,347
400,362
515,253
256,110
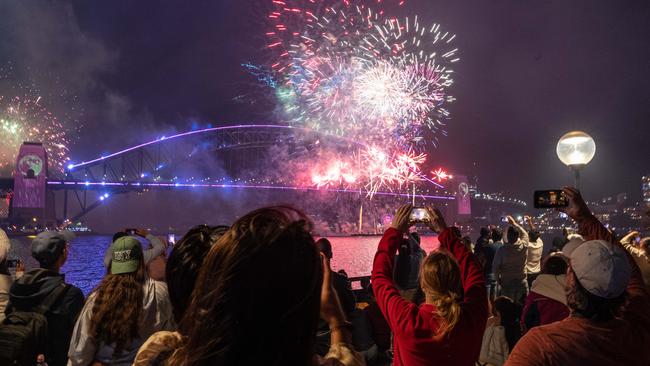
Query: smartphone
x,y
12,263
550,199
130,232
504,219
171,238
419,214
637,239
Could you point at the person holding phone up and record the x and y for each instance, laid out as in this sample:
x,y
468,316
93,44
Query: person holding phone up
x,y
156,248
639,248
448,328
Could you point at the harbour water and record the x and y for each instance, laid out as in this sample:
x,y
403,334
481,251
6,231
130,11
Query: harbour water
x,y
84,266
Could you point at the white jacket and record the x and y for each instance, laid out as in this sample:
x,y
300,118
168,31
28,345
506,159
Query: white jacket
x,y
494,349
156,316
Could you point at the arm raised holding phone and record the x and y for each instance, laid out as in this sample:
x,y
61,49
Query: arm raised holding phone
x,y
424,334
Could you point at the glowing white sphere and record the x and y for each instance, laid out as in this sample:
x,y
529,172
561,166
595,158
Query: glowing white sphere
x,y
576,148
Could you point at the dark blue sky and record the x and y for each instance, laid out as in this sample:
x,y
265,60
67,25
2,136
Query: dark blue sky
x,y
529,72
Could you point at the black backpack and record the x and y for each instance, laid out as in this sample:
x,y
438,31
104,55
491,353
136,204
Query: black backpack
x,y
23,333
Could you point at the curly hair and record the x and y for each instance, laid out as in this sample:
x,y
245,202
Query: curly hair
x,y
440,281
116,312
257,296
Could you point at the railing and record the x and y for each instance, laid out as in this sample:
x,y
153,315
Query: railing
x,y
360,288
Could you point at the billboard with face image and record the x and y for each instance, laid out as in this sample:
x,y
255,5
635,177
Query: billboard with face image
x,y
30,176
462,195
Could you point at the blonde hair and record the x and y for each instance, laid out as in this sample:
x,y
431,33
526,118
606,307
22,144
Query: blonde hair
x,y
440,282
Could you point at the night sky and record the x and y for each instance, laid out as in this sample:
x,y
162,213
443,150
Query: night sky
x,y
530,71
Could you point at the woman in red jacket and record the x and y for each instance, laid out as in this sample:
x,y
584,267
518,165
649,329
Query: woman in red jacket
x,y
448,328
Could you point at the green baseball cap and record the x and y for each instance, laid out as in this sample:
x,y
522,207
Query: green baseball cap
x,y
126,253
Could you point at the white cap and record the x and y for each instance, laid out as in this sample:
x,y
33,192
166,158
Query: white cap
x,y
5,245
602,268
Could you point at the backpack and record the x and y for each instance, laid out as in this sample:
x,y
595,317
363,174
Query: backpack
x,y
23,333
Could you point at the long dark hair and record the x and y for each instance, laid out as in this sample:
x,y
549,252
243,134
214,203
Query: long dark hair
x,y
510,313
184,263
118,304
256,300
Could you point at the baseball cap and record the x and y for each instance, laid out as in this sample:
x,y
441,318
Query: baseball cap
x,y
126,253
5,245
602,268
48,246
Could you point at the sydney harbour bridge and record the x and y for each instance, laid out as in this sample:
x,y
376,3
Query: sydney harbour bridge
x,y
247,157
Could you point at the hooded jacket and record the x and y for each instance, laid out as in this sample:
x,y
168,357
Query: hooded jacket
x,y
30,290
546,302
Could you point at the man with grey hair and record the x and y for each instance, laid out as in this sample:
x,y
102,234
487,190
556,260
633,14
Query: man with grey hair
x,y
609,322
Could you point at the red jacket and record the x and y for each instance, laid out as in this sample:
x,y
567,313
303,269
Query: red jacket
x,y
540,310
415,328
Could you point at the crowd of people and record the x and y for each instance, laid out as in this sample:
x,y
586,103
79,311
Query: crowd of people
x,y
262,292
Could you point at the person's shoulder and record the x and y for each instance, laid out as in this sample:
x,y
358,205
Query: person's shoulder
x,y
74,291
159,345
533,344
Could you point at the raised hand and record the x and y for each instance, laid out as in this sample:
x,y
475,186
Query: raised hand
x,y
577,206
437,222
330,307
402,218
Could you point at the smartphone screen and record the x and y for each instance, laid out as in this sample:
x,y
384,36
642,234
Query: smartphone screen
x,y
171,238
419,214
550,199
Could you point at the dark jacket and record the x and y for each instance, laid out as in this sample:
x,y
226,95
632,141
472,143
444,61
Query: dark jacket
x,y
28,292
343,289
407,265
486,256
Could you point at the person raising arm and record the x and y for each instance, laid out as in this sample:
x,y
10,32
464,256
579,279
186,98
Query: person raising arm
x,y
445,329
609,322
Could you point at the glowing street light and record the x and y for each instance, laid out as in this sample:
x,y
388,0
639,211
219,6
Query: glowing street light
x,y
576,149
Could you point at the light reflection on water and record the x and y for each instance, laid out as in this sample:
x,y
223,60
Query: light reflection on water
x,y
84,266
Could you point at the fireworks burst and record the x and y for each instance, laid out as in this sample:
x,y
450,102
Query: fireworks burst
x,y
358,73
371,169
26,119
345,69
440,175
